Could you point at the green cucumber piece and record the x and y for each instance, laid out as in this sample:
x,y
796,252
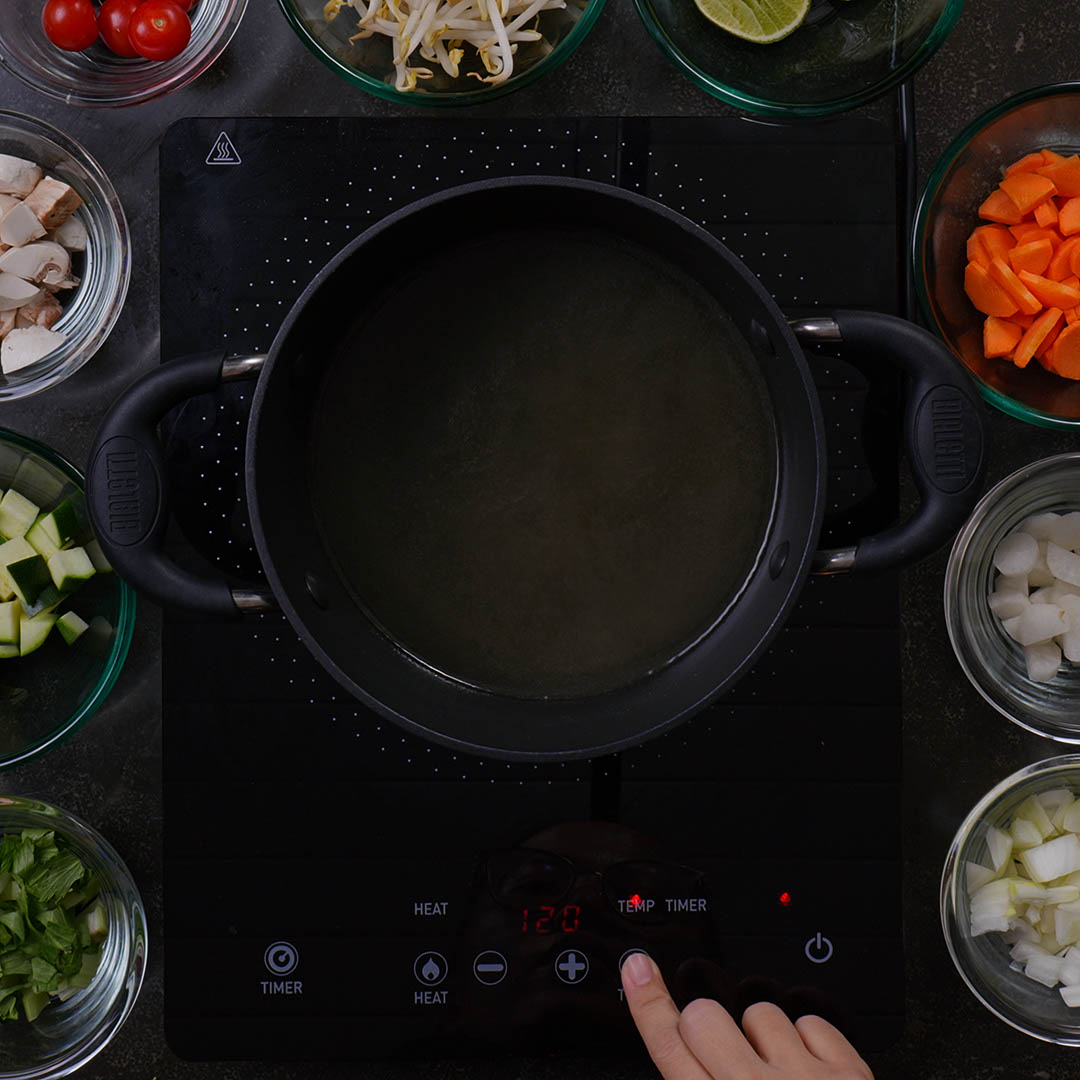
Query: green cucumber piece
x,y
39,539
30,578
97,557
17,514
70,569
32,632
8,652
61,525
71,627
9,623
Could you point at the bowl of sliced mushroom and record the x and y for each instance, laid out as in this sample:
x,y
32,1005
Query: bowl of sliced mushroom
x,y
64,256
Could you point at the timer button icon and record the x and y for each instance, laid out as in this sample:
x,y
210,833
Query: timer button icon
x,y
572,966
281,958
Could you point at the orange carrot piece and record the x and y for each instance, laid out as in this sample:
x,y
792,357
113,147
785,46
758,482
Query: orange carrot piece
x,y
1049,293
1069,217
1026,301
999,337
1046,213
1072,315
1034,256
999,207
985,293
1028,163
1027,231
1066,354
1043,351
1050,157
1020,231
1061,264
1072,282
1035,335
1027,190
987,241
1021,320
1064,174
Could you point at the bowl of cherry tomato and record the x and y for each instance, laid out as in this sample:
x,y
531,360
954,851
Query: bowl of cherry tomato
x,y
114,52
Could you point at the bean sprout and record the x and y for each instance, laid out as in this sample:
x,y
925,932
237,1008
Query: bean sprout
x,y
438,30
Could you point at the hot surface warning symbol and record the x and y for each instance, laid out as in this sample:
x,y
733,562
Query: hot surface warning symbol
x,y
223,152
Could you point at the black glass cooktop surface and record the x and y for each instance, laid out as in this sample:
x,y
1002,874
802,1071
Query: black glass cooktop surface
x,y
336,888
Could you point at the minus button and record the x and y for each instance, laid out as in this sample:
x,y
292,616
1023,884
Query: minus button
x,y
490,967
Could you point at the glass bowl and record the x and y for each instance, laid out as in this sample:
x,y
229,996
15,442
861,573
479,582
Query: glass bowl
x,y
367,63
46,696
1046,116
845,53
990,658
100,77
91,311
68,1034
983,961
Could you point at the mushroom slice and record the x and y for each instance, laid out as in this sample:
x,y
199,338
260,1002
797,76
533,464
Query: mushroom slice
x,y
18,176
15,292
47,262
53,201
7,322
20,348
72,234
20,226
7,202
45,311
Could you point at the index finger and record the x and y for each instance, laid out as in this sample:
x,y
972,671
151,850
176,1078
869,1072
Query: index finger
x,y
657,1020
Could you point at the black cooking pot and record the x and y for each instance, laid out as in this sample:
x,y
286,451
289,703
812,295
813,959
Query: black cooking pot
x,y
560,545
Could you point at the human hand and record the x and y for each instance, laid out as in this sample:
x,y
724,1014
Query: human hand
x,y
703,1042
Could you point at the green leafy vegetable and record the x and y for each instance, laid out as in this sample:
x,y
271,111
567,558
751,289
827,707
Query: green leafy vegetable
x,y
51,923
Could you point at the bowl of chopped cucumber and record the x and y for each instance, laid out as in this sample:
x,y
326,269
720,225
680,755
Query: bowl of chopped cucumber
x,y
72,941
65,619
1010,900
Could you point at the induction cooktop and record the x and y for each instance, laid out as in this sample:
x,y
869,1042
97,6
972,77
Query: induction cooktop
x,y
338,889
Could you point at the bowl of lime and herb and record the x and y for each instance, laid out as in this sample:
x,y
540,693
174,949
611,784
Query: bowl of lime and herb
x,y
72,941
798,58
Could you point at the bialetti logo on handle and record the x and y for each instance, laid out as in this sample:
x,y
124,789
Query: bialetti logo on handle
x,y
122,484
223,152
947,417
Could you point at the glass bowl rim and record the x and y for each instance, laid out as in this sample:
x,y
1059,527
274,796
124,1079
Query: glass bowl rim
x,y
73,825
121,642
120,234
764,106
951,589
383,90
950,875
199,64
944,163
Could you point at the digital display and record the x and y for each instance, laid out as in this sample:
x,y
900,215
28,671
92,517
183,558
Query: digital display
x,y
548,919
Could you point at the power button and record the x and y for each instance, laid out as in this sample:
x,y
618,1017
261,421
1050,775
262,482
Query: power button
x,y
818,949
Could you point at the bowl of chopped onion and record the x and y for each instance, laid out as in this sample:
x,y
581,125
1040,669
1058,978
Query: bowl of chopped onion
x,y
1012,597
1010,900
442,52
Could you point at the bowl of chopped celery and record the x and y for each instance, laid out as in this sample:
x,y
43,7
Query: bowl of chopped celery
x,y
65,619
1010,900
435,52
72,941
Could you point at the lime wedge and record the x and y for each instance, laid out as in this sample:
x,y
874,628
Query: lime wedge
x,y
760,21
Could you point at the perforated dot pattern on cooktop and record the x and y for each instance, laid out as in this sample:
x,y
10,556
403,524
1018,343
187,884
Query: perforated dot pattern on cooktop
x,y
241,243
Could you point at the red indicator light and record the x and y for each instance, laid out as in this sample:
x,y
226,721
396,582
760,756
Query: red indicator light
x,y
785,899
635,902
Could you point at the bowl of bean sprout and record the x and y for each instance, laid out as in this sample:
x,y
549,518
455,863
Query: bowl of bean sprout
x,y
442,52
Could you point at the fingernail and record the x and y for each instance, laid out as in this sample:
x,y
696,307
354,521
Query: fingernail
x,y
639,968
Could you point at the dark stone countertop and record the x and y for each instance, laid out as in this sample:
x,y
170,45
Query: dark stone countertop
x,y
956,746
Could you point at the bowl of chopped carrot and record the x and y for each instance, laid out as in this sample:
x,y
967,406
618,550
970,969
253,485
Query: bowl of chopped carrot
x,y
996,253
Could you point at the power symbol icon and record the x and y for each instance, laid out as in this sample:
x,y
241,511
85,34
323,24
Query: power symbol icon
x,y
818,949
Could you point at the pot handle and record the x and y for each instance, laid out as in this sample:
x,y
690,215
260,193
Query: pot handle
x,y
126,489
943,436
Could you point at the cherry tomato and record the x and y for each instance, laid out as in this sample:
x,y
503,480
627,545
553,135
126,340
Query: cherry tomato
x,y
70,24
184,5
159,30
113,20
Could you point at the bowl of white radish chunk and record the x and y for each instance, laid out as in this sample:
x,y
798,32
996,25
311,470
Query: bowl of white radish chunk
x,y
1012,597
1010,900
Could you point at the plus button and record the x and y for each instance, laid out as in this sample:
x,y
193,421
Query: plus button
x,y
571,966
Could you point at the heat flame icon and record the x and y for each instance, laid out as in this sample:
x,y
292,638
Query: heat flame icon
x,y
430,970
